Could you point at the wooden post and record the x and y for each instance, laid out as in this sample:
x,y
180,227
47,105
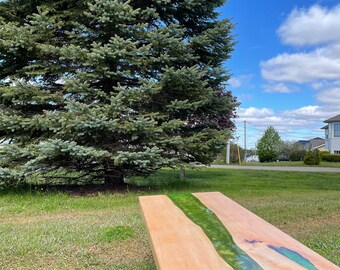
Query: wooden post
x,y
239,155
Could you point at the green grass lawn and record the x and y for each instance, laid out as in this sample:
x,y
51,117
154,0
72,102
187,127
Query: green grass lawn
x,y
285,163
294,164
105,231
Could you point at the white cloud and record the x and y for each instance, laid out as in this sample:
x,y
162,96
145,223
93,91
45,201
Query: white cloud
x,y
330,97
303,112
234,83
318,85
241,80
314,26
315,66
300,123
278,88
320,64
292,125
255,112
244,97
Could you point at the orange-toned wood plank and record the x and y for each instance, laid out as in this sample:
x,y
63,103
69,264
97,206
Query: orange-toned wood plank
x,y
254,235
177,243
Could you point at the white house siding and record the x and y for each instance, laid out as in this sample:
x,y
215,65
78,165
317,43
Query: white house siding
x,y
333,143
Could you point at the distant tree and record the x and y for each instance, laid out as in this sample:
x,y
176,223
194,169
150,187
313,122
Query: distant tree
x,y
105,89
268,145
297,152
284,149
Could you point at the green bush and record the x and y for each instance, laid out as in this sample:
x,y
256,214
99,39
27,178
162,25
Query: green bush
x,y
312,157
324,152
331,157
298,155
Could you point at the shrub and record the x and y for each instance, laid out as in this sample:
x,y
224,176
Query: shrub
x,y
324,152
312,157
330,157
298,155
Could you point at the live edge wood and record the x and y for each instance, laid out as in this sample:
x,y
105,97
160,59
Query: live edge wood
x,y
179,244
254,235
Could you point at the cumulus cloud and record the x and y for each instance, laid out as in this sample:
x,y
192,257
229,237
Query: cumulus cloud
x,y
320,64
296,124
261,118
234,83
300,123
330,97
314,26
314,65
241,80
279,88
255,112
244,97
307,111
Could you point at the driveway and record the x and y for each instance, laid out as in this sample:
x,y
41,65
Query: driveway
x,y
278,168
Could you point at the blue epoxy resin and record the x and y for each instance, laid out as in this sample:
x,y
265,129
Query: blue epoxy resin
x,y
294,256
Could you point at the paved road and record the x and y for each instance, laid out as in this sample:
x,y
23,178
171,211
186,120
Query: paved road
x,y
278,168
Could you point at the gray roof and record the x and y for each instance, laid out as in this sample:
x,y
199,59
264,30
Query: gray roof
x,y
317,142
312,143
333,119
303,143
325,127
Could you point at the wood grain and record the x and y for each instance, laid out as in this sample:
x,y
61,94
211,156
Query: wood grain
x,y
254,235
177,243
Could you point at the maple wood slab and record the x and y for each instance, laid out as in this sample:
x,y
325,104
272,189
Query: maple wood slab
x,y
179,244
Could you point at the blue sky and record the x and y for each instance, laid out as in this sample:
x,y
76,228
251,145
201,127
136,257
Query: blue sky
x,y
286,66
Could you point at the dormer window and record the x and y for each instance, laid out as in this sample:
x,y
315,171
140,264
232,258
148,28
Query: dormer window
x,y
337,129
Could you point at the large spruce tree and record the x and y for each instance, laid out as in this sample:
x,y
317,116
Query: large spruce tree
x,y
103,89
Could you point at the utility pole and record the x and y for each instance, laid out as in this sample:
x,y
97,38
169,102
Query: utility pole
x,y
227,155
245,140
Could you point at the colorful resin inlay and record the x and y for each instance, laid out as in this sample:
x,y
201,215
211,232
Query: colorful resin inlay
x,y
294,256
216,232
209,231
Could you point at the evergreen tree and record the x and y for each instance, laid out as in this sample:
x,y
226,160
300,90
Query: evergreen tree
x,y
268,145
312,157
111,88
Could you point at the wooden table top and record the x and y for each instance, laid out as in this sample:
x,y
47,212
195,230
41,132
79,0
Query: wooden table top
x,y
179,244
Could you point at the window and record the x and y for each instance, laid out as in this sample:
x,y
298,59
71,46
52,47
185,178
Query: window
x,y
336,151
336,129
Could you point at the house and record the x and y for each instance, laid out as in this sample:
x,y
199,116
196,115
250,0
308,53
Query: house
x,y
312,144
318,143
332,134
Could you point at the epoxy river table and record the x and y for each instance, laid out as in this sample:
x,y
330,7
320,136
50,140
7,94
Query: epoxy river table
x,y
181,241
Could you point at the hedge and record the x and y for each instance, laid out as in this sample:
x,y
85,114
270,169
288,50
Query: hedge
x,y
331,157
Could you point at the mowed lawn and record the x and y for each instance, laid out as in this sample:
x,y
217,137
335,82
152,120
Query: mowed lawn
x,y
284,164
41,230
294,164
